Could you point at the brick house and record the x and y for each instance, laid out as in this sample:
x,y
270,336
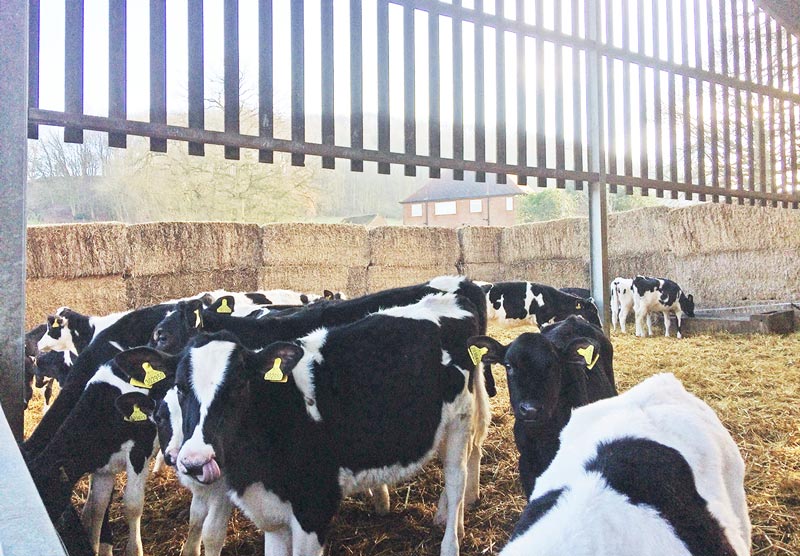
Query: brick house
x,y
450,203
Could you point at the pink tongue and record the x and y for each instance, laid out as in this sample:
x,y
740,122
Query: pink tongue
x,y
211,472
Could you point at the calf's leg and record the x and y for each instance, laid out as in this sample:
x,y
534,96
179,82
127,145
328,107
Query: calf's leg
x,y
101,485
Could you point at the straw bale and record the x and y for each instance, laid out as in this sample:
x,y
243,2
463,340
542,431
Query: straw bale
x,y
728,279
351,280
385,277
558,239
151,289
635,232
559,273
480,244
74,250
315,244
714,228
486,272
414,246
649,264
92,295
159,248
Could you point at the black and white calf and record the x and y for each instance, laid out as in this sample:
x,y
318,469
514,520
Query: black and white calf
x,y
297,426
131,329
621,302
68,330
210,507
651,472
568,365
95,438
652,295
509,302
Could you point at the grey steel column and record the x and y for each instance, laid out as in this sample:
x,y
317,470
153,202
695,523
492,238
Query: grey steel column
x,y
598,230
13,174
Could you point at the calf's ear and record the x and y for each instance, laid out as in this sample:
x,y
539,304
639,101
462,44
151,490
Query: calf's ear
x,y
327,294
135,407
192,313
147,367
276,361
582,351
486,349
224,305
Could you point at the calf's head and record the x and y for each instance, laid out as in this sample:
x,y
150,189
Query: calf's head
x,y
542,379
178,327
59,335
213,383
687,304
587,309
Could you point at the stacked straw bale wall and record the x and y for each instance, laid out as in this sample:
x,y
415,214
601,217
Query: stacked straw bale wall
x,y
724,255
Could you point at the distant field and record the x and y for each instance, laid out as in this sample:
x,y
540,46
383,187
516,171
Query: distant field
x,y
753,382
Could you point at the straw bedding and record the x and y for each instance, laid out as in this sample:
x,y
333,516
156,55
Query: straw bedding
x,y
753,382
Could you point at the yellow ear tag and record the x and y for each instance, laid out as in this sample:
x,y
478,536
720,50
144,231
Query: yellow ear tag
x,y
224,307
476,353
198,321
136,415
151,376
55,324
275,374
587,354
577,306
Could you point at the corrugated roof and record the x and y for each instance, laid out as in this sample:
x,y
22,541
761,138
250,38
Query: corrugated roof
x,y
448,189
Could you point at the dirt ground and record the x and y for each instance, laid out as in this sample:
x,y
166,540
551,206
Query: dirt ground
x,y
753,382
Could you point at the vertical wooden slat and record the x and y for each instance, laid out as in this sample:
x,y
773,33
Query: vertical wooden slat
x,y
627,148
726,121
577,87
541,135
458,92
657,104
326,58
611,96
356,83
701,127
434,86
794,75
522,106
383,83
558,82
713,123
762,138
737,100
265,78
158,69
73,67
781,107
644,141
117,68
500,68
409,83
33,63
196,77
673,112
686,90
298,80
771,118
480,120
749,67
231,72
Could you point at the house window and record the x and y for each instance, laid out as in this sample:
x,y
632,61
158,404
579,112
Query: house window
x,y
416,210
475,205
509,203
447,207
